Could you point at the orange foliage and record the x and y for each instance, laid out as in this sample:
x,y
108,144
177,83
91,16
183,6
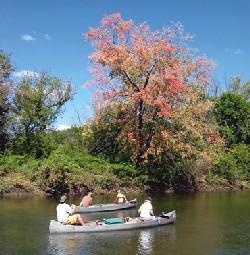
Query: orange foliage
x,y
151,73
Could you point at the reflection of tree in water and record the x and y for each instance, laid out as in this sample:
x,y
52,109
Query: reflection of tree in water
x,y
145,242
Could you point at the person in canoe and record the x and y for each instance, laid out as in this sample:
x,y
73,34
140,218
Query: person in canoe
x,y
120,198
87,200
146,210
65,211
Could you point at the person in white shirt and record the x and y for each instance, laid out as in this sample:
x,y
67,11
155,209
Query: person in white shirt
x,y
120,198
64,213
146,210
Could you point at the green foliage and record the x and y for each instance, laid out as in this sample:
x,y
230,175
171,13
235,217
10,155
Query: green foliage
x,y
37,103
103,136
184,178
241,153
123,171
25,165
5,85
103,140
233,165
237,87
53,173
71,137
233,115
174,172
14,162
226,167
37,144
5,186
5,67
66,170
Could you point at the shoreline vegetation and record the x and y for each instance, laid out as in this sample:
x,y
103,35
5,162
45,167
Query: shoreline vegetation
x,y
71,169
159,124
19,186
23,187
61,174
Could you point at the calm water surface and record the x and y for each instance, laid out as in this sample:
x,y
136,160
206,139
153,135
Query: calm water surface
x,y
207,224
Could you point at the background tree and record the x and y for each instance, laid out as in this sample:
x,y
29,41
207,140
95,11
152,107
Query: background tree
x,y
236,86
37,103
5,84
103,137
147,72
233,115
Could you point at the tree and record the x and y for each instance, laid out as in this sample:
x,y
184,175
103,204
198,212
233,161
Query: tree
x,y
5,84
237,87
148,73
233,115
37,103
102,136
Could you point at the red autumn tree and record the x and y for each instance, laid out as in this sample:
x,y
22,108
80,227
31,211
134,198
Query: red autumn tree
x,y
147,73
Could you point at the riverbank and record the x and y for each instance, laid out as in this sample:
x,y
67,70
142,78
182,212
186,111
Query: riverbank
x,y
77,172
15,184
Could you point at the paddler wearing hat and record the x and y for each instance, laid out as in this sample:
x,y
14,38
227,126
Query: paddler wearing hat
x,y
65,213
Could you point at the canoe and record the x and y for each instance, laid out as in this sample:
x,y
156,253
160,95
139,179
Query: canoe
x,y
106,207
56,227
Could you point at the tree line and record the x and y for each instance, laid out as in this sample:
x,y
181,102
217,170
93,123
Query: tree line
x,y
155,120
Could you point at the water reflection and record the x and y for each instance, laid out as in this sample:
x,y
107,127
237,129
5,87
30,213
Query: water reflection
x,y
63,244
207,224
145,242
141,242
94,243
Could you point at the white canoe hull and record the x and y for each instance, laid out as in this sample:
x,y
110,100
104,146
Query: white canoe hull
x,y
94,226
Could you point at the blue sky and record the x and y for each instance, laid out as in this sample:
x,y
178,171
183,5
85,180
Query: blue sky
x,y
46,35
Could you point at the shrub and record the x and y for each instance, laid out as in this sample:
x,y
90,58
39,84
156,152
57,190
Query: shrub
x,y
241,153
234,164
225,166
184,178
5,186
14,162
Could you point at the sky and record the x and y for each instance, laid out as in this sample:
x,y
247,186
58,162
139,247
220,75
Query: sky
x,y
47,36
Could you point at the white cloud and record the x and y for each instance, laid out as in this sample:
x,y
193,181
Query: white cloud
x,y
63,127
238,51
25,73
27,38
47,37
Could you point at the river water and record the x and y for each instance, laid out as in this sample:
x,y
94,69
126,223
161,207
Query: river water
x,y
207,224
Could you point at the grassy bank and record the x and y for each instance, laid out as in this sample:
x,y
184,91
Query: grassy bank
x,y
65,172
76,172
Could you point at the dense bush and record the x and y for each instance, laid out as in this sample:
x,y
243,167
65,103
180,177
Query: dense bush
x,y
233,165
233,115
67,170
5,186
241,154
